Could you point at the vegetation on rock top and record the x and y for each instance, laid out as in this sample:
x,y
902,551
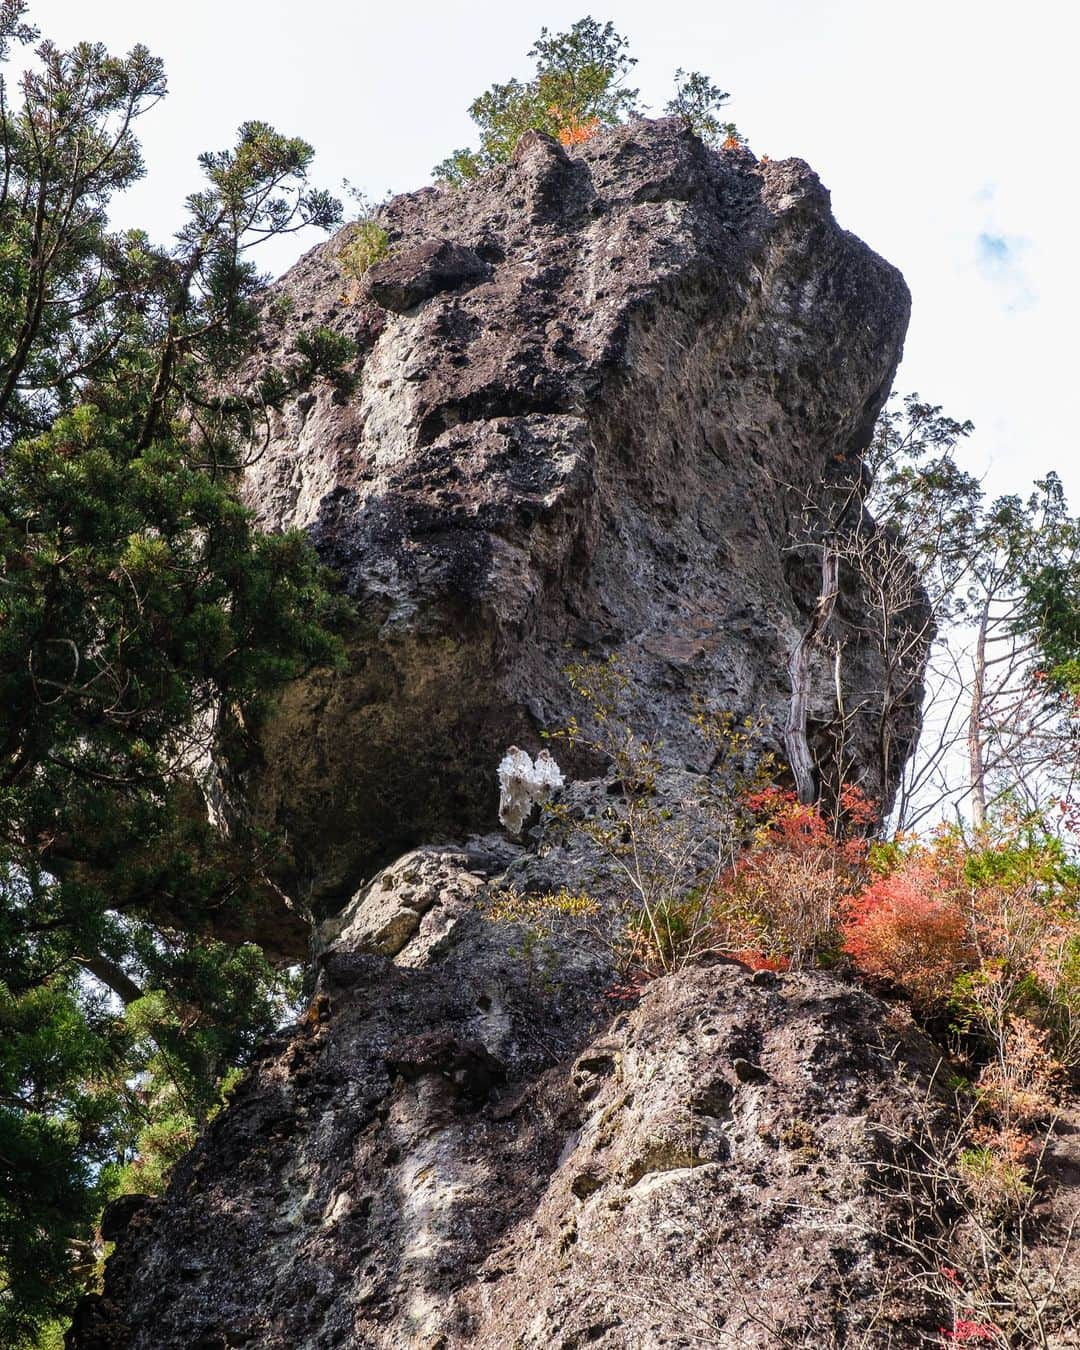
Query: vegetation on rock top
x,y
578,86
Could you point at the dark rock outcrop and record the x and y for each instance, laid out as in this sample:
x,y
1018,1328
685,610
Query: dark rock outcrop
x,y
471,1148
588,421
421,272
595,396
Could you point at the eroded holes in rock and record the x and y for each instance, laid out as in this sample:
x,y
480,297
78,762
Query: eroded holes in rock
x,y
591,1070
713,1099
661,1155
586,1184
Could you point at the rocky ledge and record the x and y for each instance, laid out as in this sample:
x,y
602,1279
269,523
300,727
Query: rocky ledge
x,y
468,1145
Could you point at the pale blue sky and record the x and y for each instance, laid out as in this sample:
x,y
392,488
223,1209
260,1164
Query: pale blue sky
x,y
946,132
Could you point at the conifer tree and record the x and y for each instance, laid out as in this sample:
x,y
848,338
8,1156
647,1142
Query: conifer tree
x,y
141,615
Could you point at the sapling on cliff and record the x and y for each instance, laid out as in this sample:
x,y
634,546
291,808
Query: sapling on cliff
x,y
578,86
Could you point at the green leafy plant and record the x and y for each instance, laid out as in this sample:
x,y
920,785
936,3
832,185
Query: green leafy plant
x,y
698,100
367,244
577,87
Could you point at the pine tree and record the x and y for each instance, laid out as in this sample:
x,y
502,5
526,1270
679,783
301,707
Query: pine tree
x,y
142,618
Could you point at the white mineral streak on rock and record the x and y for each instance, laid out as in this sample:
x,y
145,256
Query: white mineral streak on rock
x,y
523,784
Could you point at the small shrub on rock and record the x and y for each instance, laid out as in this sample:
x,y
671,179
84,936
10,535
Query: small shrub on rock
x,y
985,930
367,244
908,929
789,886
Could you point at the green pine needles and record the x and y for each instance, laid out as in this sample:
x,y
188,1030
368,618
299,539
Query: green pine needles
x,y
143,618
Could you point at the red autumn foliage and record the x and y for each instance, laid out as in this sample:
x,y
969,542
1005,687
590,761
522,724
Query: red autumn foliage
x,y
909,929
758,960
788,825
782,897
859,811
966,1331
979,924
629,990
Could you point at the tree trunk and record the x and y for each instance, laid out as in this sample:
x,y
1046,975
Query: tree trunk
x,y
110,974
796,745
976,748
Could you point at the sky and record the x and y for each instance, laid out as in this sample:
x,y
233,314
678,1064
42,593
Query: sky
x,y
945,130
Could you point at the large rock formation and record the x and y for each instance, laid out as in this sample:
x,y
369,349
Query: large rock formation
x,y
595,396
462,1147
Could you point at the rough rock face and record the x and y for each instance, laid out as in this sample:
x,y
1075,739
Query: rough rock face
x,y
594,394
465,1145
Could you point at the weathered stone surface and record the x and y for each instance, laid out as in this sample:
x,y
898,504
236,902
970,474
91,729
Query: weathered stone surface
x,y
411,897
418,273
118,1215
598,440
471,1147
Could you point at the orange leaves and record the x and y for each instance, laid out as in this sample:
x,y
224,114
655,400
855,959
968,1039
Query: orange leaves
x,y
985,925
860,811
790,884
908,929
1019,1084
788,825
574,133
758,960
911,927
572,129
